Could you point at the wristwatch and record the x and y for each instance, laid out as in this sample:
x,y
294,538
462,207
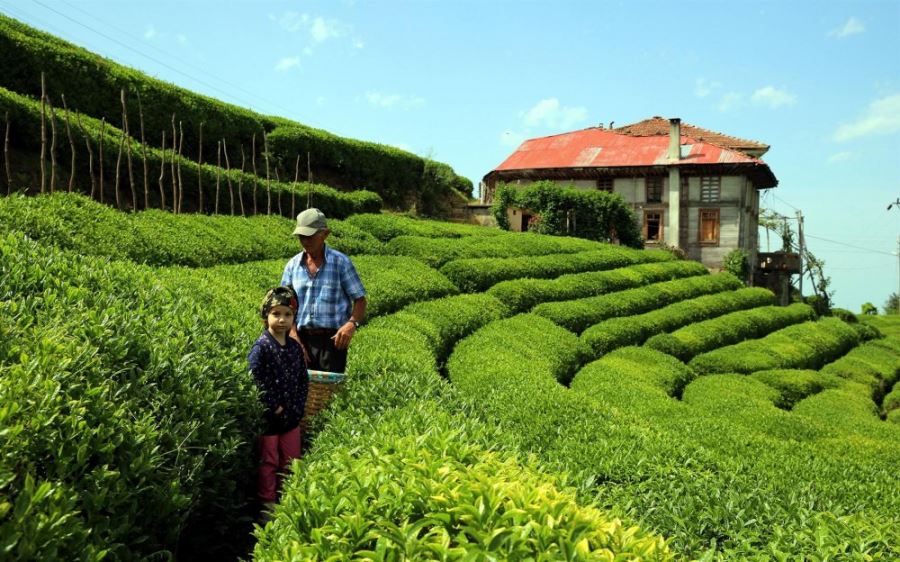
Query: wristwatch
x,y
355,323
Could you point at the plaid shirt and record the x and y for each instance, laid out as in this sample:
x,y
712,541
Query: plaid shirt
x,y
326,298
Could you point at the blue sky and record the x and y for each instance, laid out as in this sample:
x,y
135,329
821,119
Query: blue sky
x,y
464,82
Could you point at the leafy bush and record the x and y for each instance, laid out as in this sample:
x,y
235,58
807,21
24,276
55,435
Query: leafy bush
x,y
438,251
522,295
802,346
729,329
794,385
478,274
579,314
388,226
396,281
249,191
634,330
595,215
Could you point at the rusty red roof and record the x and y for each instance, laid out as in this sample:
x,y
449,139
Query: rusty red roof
x,y
605,148
656,126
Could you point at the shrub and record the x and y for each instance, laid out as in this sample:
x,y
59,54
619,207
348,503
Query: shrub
x,y
729,329
595,215
396,281
478,274
794,385
802,346
388,226
737,263
634,330
577,315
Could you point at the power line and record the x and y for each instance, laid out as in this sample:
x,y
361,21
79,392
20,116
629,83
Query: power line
x,y
852,246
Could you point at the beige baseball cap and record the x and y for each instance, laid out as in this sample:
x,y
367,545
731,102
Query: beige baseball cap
x,y
309,222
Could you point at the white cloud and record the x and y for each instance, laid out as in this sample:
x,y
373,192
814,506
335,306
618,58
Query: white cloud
x,y
882,117
840,157
322,29
287,63
150,32
704,87
380,99
851,27
182,39
773,97
549,113
358,44
731,100
292,21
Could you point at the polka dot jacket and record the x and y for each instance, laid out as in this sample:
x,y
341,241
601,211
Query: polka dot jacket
x,y
281,376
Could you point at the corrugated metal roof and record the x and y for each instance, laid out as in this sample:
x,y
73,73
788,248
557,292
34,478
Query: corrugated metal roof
x,y
596,147
659,126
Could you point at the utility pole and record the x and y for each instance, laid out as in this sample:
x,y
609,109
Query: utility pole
x,y
896,203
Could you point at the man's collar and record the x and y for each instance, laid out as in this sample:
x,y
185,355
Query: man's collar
x,y
325,250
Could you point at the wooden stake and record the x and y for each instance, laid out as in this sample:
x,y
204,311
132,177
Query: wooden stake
x,y
228,175
53,164
71,144
294,187
43,133
87,144
144,153
180,151
218,170
309,187
241,182
102,137
6,157
200,172
118,164
174,177
255,175
127,134
278,194
162,173
268,187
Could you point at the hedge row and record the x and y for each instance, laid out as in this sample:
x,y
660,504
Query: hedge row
x,y
478,274
92,84
522,295
634,330
127,413
729,329
633,377
794,385
438,251
801,346
445,321
237,192
75,222
579,314
716,488
386,226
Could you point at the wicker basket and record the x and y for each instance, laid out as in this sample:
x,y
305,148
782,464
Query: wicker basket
x,y
322,386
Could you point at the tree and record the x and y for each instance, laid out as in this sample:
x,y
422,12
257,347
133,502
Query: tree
x,y
890,306
869,309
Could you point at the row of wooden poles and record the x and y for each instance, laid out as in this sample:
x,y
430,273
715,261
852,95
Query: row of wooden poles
x,y
97,187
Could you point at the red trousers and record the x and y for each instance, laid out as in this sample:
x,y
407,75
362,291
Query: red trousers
x,y
275,455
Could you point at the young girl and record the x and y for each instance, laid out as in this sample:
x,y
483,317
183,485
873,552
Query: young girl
x,y
277,365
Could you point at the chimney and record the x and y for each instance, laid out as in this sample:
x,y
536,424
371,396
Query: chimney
x,y
674,138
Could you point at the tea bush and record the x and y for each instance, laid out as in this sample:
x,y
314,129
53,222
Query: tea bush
x,y
802,346
729,329
521,295
478,274
438,251
386,227
577,315
794,385
634,330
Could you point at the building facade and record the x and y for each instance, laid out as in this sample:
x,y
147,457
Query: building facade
x,y
691,188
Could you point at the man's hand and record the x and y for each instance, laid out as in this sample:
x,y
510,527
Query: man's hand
x,y
344,335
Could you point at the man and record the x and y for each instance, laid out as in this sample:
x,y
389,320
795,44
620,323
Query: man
x,y
331,296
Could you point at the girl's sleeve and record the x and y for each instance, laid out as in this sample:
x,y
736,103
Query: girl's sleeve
x,y
264,376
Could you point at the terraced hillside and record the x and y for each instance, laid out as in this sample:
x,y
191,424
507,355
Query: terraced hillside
x,y
511,396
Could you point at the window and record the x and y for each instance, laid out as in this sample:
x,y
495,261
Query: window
x,y
653,226
605,184
710,186
654,189
709,227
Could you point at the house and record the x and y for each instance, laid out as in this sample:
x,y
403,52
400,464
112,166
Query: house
x,y
690,187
